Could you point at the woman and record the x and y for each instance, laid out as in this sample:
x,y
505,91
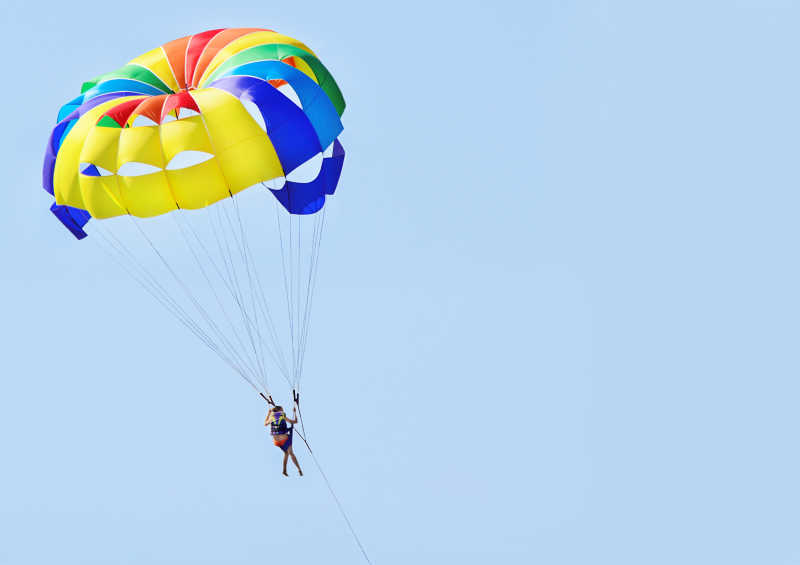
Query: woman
x,y
282,434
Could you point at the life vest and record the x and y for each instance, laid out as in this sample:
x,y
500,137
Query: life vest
x,y
278,426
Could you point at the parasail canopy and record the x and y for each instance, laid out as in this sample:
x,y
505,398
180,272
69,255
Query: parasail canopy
x,y
195,121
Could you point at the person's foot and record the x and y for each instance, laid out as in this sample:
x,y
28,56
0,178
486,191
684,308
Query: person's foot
x,y
301,472
285,474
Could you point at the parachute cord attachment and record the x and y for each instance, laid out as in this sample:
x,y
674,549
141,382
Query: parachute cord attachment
x,y
296,398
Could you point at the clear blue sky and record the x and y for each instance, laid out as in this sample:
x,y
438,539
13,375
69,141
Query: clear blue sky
x,y
559,296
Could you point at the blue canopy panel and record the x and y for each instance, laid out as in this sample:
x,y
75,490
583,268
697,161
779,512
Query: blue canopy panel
x,y
309,197
332,167
295,138
73,218
315,103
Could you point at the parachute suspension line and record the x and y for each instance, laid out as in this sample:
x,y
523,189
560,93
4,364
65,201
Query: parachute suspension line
x,y
142,275
286,280
229,350
229,287
293,289
223,340
230,282
227,256
298,275
304,313
296,280
277,355
238,238
319,226
234,286
212,325
304,318
153,288
242,351
219,273
257,341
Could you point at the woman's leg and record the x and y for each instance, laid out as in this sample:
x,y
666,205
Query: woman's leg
x,y
285,459
290,451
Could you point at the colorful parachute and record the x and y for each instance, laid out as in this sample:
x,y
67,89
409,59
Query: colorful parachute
x,y
187,127
194,121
